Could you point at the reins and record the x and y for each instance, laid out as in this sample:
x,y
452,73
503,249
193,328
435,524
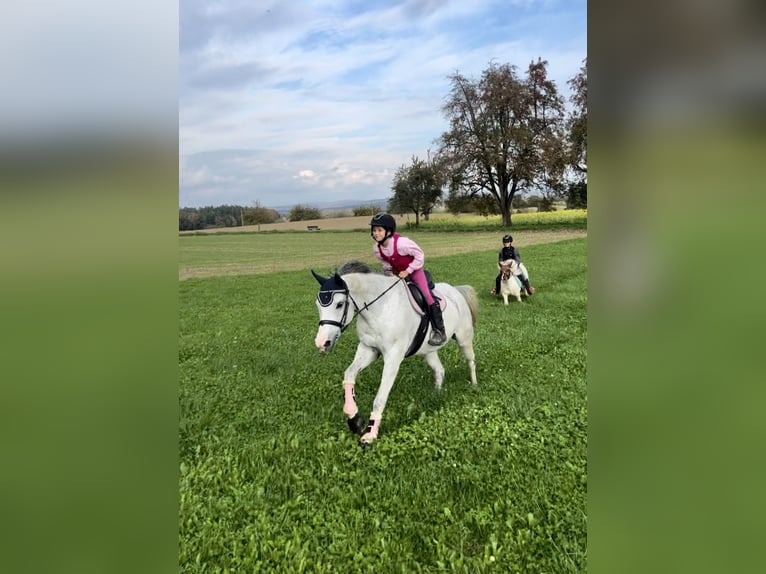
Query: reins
x,y
367,305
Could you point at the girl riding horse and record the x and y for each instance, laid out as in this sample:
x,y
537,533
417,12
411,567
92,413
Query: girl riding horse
x,y
510,252
403,257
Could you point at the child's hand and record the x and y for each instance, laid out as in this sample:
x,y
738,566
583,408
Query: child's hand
x,y
403,274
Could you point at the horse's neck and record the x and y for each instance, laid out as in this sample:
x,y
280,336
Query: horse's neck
x,y
368,286
380,304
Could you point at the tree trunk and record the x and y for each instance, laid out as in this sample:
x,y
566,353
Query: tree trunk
x,y
507,216
506,207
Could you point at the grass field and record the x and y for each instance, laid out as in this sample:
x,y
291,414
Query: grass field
x,y
468,480
249,253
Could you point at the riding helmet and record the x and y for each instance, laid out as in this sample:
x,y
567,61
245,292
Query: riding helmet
x,y
383,220
507,239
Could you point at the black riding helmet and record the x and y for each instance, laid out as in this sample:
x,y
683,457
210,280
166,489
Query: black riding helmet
x,y
507,239
385,221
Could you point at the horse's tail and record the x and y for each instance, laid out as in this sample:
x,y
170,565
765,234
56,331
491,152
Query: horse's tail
x,y
469,294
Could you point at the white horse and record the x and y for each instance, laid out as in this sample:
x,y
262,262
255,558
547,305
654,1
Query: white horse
x,y
510,271
389,325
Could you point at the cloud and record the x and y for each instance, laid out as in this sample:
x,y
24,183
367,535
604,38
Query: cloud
x,y
328,99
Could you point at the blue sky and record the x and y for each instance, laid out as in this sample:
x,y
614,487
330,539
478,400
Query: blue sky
x,y
305,102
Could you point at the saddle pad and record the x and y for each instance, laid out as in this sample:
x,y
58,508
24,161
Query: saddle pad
x,y
415,300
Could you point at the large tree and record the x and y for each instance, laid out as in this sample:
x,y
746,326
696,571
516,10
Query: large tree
x,y
577,124
506,135
416,188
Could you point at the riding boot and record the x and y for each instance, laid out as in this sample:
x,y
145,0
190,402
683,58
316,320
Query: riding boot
x,y
527,286
438,337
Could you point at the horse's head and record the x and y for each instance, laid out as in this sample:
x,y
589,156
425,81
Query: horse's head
x,y
332,302
507,268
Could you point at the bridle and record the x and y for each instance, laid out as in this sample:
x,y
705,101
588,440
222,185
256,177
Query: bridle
x,y
329,296
327,301
506,271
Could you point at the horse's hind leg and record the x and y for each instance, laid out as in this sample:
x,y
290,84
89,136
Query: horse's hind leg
x,y
465,342
436,365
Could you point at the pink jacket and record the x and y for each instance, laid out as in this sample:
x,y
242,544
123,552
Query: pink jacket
x,y
405,247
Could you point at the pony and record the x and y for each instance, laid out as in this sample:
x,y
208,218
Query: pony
x,y
388,325
509,283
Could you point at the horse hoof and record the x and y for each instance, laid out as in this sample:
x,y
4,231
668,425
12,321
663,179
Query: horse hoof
x,y
366,442
357,424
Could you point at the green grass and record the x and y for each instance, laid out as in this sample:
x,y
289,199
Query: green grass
x,y
468,480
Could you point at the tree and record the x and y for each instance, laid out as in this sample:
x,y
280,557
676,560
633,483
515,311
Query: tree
x,y
205,217
577,195
189,219
458,203
519,201
258,214
302,213
577,123
485,205
506,135
416,188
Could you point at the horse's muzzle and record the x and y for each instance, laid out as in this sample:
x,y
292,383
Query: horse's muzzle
x,y
326,345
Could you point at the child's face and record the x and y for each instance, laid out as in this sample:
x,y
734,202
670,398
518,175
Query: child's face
x,y
378,233
506,243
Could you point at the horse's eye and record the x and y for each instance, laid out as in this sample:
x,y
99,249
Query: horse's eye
x,y
338,305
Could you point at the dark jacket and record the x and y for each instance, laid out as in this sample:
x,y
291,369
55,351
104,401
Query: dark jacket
x,y
509,253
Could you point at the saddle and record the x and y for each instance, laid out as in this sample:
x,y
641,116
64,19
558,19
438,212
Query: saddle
x,y
418,301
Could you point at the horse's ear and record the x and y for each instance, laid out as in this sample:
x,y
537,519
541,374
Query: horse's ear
x,y
318,277
339,280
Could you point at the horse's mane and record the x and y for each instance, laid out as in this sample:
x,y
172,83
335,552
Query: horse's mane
x,y
354,266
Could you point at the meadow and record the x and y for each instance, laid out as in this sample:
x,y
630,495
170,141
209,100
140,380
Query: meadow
x,y
491,479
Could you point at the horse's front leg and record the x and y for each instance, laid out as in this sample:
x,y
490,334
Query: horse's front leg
x,y
390,370
364,357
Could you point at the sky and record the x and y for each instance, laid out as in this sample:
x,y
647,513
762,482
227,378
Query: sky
x,y
318,101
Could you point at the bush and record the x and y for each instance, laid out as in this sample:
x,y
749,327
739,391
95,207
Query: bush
x,y
302,213
370,210
456,204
